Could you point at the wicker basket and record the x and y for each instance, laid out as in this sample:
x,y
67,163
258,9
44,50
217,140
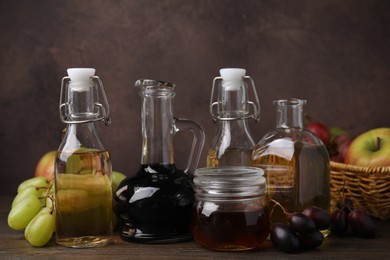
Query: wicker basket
x,y
367,187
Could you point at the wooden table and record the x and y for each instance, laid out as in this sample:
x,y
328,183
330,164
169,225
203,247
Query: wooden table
x,y
14,246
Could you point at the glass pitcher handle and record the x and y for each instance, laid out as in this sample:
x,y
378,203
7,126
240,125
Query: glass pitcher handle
x,y
182,124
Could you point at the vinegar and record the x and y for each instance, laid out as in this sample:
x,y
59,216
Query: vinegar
x,y
297,177
231,231
83,199
155,205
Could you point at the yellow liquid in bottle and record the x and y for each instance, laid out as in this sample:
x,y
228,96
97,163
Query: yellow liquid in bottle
x,y
83,199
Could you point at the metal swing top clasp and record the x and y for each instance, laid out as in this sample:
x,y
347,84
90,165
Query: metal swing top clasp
x,y
71,109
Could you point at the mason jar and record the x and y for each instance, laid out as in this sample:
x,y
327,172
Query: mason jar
x,y
230,213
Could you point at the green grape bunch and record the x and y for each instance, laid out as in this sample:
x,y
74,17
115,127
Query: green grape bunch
x,y
33,210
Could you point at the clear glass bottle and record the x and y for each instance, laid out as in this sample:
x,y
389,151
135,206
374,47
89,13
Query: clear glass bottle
x,y
230,213
295,162
154,206
233,143
83,167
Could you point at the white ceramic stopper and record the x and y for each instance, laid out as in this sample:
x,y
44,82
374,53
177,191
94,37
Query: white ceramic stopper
x,y
80,78
232,77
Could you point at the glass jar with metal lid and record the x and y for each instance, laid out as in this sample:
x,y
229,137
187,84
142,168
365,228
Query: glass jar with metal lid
x,y
230,213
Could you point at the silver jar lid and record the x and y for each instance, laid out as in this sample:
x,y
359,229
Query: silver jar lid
x,y
229,182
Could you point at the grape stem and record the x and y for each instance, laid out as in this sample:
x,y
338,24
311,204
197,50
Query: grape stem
x,y
277,204
49,195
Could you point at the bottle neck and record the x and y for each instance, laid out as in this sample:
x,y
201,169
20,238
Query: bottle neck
x,y
233,104
237,130
289,113
233,100
82,135
157,127
82,103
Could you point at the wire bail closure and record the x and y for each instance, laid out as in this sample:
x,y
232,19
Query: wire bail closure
x,y
103,111
256,104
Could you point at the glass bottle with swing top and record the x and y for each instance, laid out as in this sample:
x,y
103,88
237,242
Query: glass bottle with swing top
x,y
233,143
83,193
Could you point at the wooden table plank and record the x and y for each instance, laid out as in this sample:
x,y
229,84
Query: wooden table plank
x,y
14,246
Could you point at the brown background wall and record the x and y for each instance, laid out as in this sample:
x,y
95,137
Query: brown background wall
x,y
335,54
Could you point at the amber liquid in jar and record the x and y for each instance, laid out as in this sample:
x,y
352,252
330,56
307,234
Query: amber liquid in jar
x,y
230,230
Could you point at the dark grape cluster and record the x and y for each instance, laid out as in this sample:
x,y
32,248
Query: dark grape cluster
x,y
345,216
302,231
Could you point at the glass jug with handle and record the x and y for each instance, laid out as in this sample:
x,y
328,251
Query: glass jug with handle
x,y
154,206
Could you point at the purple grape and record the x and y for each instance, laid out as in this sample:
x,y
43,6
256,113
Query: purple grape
x,y
284,238
312,240
339,221
345,204
301,223
362,224
320,217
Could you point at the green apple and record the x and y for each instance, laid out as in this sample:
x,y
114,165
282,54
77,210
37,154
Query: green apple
x,y
45,166
117,177
370,149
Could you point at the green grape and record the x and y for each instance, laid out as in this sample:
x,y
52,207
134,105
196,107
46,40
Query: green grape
x,y
29,190
42,198
50,200
117,178
41,228
92,183
43,189
74,163
23,212
74,201
42,210
38,181
53,187
50,197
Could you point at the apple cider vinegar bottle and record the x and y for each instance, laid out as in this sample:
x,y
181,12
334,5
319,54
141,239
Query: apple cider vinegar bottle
x,y
295,162
83,167
233,143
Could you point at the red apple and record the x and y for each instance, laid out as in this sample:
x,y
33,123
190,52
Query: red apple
x,y
339,143
343,149
337,158
370,149
45,166
343,142
321,131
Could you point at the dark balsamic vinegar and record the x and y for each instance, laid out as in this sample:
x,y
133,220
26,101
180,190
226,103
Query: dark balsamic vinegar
x,y
155,205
